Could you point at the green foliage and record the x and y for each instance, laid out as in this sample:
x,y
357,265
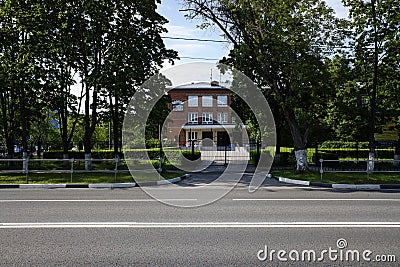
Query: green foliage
x,y
286,159
343,145
188,154
97,154
152,143
111,46
347,113
377,40
254,156
280,45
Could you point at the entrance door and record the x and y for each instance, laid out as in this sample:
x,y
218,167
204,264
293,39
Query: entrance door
x,y
208,135
223,139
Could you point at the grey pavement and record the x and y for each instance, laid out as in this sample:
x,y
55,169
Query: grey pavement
x,y
125,227
214,171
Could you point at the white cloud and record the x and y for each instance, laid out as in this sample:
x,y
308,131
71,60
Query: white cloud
x,y
193,72
182,31
188,49
341,11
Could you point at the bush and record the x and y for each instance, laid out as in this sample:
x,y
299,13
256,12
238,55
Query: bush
x,y
188,154
152,143
99,154
286,159
360,153
344,144
254,157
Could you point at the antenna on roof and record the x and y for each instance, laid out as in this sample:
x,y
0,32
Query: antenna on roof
x,y
211,75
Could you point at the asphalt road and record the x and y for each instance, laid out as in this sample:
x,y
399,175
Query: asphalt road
x,y
125,227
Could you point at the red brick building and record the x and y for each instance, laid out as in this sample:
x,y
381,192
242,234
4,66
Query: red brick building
x,y
200,111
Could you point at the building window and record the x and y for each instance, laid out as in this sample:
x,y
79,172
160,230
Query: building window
x,y
222,100
206,101
192,136
193,101
177,105
233,119
222,118
207,118
193,118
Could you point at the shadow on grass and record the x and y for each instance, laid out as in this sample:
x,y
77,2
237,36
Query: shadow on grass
x,y
79,178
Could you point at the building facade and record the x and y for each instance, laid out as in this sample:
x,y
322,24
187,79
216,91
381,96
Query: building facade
x,y
201,111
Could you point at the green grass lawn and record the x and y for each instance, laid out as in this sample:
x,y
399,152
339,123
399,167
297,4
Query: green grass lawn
x,y
84,178
342,178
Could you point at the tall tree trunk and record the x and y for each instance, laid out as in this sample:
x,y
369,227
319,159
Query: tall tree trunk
x,y
8,122
116,128
278,127
90,124
24,129
64,118
64,135
371,155
299,140
87,142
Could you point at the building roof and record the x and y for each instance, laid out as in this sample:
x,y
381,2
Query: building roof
x,y
200,86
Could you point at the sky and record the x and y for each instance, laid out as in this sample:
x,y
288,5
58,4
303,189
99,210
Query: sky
x,y
179,26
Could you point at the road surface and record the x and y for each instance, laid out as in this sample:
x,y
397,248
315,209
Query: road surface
x,y
300,226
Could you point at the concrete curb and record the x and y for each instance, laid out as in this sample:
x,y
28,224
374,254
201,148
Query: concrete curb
x,y
358,187
29,186
94,186
116,185
165,182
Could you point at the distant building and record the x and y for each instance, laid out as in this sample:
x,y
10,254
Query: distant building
x,y
200,111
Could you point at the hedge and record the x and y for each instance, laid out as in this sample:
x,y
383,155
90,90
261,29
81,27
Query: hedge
x,y
254,157
360,153
344,144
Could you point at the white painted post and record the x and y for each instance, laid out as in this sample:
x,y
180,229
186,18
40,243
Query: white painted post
x,y
117,160
321,169
72,167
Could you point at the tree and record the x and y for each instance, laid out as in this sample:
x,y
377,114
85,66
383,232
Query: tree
x,y
119,47
347,113
137,51
282,45
20,73
113,46
376,31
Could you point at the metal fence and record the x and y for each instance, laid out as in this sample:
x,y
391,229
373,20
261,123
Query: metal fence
x,y
359,166
224,154
72,166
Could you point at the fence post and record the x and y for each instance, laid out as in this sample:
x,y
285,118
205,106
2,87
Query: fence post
x,y
192,149
225,155
25,167
321,169
72,167
116,168
257,159
316,154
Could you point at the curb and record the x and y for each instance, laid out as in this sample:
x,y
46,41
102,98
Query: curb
x,y
358,187
94,186
164,182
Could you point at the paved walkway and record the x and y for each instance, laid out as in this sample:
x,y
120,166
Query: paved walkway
x,y
214,171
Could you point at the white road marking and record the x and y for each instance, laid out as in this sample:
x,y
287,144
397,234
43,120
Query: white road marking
x,y
92,200
201,225
315,199
193,199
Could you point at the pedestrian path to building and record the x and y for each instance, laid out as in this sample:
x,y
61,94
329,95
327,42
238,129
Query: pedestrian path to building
x,y
212,173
